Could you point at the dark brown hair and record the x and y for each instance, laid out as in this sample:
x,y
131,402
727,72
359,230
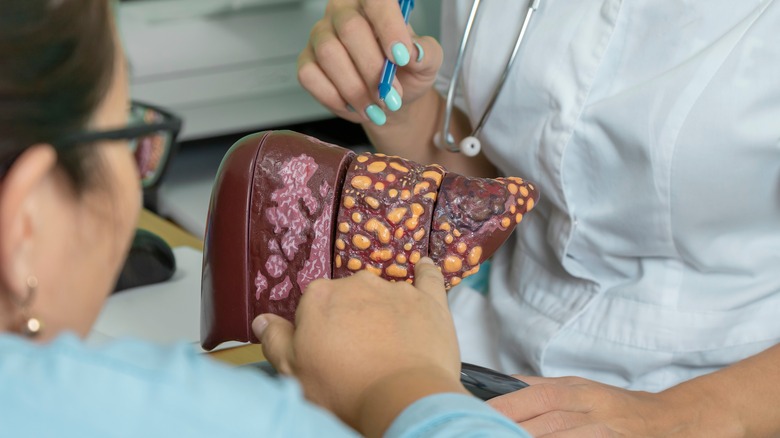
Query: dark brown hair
x,y
56,62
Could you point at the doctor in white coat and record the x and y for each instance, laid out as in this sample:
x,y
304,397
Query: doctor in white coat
x,y
650,269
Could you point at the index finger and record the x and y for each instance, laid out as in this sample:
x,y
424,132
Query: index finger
x,y
388,22
541,398
429,279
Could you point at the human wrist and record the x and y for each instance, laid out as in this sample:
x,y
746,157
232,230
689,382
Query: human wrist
x,y
694,409
388,396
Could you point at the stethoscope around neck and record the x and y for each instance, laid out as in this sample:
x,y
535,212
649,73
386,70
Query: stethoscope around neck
x,y
470,145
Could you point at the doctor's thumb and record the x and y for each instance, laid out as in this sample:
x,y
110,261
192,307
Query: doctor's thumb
x,y
276,336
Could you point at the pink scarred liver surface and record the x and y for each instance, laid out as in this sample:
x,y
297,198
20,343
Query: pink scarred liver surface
x,y
295,194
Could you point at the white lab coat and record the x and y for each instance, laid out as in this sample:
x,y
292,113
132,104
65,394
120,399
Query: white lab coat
x,y
652,129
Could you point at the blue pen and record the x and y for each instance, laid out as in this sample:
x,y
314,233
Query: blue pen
x,y
388,73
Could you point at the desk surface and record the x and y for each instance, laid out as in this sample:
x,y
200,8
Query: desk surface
x,y
169,232
175,236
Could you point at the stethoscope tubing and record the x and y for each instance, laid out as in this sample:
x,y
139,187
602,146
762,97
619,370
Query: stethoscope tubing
x,y
444,138
449,105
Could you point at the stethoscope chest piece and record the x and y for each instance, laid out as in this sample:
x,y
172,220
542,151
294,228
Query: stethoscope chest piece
x,y
469,146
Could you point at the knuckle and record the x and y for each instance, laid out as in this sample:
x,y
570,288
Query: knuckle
x,y
370,280
355,94
547,396
572,380
317,287
327,48
349,24
318,29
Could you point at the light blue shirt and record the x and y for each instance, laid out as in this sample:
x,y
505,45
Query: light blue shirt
x,y
652,130
134,389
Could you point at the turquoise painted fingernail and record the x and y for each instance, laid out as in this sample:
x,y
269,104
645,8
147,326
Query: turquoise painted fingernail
x,y
420,52
376,115
393,100
400,54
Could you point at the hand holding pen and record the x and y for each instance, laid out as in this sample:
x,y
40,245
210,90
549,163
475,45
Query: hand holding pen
x,y
401,57
359,45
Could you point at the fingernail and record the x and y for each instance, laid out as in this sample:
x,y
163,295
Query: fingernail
x,y
420,52
400,54
425,261
376,115
393,100
350,109
259,325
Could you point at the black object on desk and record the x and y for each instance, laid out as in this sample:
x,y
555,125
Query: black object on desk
x,y
485,383
482,382
149,261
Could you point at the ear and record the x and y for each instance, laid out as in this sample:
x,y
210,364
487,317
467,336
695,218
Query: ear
x,y
21,201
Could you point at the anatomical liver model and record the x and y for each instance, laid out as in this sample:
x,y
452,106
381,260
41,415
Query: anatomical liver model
x,y
287,209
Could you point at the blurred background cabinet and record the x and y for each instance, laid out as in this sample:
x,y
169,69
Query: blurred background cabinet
x,y
228,67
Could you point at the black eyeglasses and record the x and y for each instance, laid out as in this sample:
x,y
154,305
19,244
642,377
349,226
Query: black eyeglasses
x,y
152,133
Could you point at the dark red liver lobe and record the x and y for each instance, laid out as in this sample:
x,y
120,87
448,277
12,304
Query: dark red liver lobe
x,y
472,218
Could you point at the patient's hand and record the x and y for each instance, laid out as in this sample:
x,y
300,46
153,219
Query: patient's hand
x,y
364,346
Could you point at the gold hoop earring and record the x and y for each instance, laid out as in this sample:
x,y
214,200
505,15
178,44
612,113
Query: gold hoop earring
x,y
31,326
